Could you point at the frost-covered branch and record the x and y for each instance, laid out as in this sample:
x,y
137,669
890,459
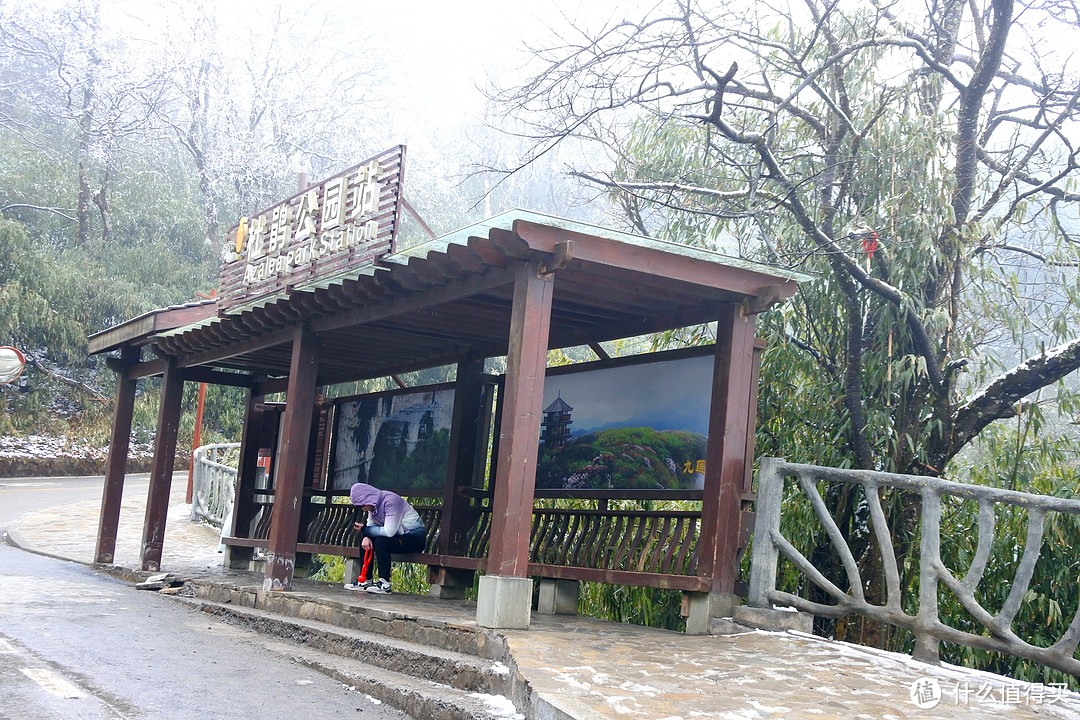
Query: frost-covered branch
x,y
999,398
57,211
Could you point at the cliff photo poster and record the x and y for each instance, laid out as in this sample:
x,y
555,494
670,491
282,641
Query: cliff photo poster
x,y
633,427
398,441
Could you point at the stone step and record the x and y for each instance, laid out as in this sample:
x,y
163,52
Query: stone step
x,y
423,681
428,628
381,621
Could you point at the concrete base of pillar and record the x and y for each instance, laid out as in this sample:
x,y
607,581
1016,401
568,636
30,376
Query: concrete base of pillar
x,y
238,558
558,597
726,626
504,602
446,592
699,608
449,583
779,620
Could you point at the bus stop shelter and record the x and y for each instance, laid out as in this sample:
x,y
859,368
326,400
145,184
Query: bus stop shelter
x,y
516,286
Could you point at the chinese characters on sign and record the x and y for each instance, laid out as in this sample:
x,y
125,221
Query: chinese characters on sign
x,y
275,248
351,215
690,467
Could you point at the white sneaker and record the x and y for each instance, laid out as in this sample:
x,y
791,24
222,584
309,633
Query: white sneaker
x,y
382,587
359,586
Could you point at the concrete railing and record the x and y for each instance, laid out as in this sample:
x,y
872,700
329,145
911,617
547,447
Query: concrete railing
x,y
213,483
934,577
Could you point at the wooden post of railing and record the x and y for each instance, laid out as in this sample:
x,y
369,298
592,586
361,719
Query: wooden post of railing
x,y
763,559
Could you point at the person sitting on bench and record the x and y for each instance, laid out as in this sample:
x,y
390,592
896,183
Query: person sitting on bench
x,y
393,526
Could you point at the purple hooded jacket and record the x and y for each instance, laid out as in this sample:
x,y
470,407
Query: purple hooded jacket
x,y
392,514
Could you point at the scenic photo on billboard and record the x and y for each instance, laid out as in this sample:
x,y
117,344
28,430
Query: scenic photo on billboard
x,y
393,441
635,427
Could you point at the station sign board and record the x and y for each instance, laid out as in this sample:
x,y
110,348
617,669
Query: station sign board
x,y
348,220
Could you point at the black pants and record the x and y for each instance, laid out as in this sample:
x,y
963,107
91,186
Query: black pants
x,y
401,544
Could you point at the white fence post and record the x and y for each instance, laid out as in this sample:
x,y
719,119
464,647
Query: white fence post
x,y
213,484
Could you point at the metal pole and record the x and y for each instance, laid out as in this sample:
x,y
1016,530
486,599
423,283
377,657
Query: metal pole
x,y
197,439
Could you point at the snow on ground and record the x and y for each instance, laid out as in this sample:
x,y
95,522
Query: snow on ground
x,y
44,446
44,455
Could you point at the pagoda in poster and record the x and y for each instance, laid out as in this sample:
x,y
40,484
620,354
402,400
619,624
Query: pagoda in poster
x,y
556,424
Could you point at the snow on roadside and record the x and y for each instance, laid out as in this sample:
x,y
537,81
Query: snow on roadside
x,y
41,455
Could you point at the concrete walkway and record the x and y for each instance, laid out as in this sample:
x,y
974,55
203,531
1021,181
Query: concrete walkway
x,y
595,670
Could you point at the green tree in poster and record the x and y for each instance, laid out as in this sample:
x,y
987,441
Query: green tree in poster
x,y
638,458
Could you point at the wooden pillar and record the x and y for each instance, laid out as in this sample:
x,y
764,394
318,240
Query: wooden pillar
x,y
499,603
293,460
725,459
116,465
512,503
460,509
157,498
243,509
461,465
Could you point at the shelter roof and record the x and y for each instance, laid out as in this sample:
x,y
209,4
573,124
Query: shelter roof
x,y
451,297
151,323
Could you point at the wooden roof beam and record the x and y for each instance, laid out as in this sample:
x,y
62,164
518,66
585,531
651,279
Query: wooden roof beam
x,y
229,350
593,249
408,303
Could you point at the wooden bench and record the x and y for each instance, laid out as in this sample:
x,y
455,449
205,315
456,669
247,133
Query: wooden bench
x,y
624,547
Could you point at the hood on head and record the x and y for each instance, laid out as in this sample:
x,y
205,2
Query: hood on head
x,y
364,494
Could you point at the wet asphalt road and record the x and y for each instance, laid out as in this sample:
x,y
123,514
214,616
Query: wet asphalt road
x,y
75,644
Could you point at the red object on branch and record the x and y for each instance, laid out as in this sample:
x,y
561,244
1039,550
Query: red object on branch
x,y
870,244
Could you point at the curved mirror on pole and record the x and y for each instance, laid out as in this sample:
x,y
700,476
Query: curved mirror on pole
x,y
12,363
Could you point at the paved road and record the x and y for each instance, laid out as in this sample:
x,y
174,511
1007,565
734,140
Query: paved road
x,y
75,644
19,496
60,515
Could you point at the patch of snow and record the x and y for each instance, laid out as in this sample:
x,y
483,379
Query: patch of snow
x,y
373,701
766,709
630,686
740,715
567,678
499,669
305,682
45,446
499,705
616,702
